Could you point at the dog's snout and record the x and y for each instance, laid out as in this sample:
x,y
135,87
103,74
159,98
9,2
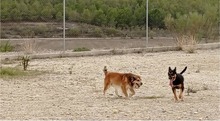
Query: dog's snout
x,y
141,83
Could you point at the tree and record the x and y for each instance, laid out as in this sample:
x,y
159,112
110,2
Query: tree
x,y
111,16
59,16
140,16
74,16
99,18
47,12
156,18
87,16
123,18
34,9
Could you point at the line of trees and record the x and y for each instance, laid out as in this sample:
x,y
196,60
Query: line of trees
x,y
111,13
123,14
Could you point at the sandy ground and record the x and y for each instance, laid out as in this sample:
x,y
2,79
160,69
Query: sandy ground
x,y
60,95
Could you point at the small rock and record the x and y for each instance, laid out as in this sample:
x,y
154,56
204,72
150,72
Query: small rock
x,y
195,112
115,111
207,117
163,111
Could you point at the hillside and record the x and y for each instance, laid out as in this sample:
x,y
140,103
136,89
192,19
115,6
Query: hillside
x,y
55,30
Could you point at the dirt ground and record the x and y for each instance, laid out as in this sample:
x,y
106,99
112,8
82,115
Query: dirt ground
x,y
57,94
40,45
57,44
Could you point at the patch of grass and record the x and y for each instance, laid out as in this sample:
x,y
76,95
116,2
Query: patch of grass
x,y
6,47
9,71
16,72
81,49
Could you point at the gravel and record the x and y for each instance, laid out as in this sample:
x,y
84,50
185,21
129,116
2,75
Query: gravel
x,y
57,94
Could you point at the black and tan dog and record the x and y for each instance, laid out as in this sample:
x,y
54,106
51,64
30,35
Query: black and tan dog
x,y
124,81
176,82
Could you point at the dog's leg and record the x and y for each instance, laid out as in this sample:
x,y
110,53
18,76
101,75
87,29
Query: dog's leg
x,y
181,92
124,90
132,92
174,92
116,92
106,86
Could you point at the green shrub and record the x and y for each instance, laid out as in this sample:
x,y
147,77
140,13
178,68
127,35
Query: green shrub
x,y
17,72
9,71
6,47
41,30
74,32
97,32
112,32
81,49
26,32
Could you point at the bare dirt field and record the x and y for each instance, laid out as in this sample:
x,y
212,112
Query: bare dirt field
x,y
42,45
57,94
57,44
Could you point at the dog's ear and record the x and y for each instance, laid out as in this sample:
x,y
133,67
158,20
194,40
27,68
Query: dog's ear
x,y
131,77
169,69
174,69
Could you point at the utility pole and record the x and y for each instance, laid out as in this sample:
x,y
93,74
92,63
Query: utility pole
x,y
218,20
64,41
146,23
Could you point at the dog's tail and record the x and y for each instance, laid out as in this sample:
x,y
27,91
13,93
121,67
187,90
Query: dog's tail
x,y
105,70
183,70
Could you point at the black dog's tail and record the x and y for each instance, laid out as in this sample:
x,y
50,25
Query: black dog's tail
x,y
105,70
183,70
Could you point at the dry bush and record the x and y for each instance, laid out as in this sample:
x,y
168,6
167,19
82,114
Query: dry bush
x,y
29,46
187,43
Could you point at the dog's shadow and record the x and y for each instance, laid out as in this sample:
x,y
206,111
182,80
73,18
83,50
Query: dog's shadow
x,y
147,97
137,97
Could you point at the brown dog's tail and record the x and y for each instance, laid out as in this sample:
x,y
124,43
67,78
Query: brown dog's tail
x,y
105,70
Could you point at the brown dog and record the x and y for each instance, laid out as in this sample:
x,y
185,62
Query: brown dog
x,y
124,81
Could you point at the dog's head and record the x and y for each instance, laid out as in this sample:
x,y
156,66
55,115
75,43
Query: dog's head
x,y
135,81
172,73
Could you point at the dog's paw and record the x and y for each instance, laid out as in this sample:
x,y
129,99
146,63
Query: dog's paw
x,y
119,96
130,95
